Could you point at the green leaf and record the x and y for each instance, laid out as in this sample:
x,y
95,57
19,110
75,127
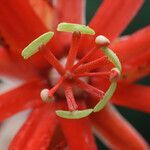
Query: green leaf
x,y
74,114
112,57
106,97
70,27
34,46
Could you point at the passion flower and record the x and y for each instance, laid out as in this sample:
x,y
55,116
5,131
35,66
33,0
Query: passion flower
x,y
86,80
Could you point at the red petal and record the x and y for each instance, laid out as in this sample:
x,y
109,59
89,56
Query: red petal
x,y
37,131
10,67
23,97
18,29
77,132
130,46
113,17
118,133
110,20
45,11
137,67
70,11
58,140
22,27
133,96
18,70
3,55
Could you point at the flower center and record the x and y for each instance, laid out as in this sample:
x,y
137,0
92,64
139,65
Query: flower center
x,y
69,75
54,77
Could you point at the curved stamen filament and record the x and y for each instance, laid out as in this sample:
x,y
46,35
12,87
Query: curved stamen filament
x,y
90,89
93,74
91,65
70,97
73,49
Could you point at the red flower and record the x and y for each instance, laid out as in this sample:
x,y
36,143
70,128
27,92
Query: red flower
x,y
23,21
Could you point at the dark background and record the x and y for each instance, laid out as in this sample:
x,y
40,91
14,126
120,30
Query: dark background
x,y
140,120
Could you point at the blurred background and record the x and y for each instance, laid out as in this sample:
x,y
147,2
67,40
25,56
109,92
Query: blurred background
x,y
140,120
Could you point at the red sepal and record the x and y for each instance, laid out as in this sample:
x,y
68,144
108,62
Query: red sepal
x,y
23,97
116,131
133,96
37,131
77,132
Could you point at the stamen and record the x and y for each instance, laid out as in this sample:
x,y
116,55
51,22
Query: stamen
x,y
112,57
85,58
54,61
73,50
70,97
91,65
90,89
92,74
77,114
100,41
72,27
104,42
109,93
35,45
